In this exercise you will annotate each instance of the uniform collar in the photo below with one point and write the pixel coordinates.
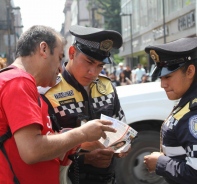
(71, 80)
(189, 96)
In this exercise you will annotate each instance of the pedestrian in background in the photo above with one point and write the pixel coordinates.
(127, 72)
(104, 71)
(119, 70)
(145, 78)
(133, 75)
(122, 79)
(139, 72)
(30, 153)
(81, 94)
(176, 66)
(2, 64)
(113, 80)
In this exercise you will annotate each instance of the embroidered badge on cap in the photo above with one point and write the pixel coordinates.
(101, 87)
(193, 125)
(106, 45)
(154, 56)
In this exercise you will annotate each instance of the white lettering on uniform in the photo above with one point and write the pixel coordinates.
(49, 125)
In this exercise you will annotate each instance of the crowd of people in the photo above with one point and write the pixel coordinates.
(124, 75)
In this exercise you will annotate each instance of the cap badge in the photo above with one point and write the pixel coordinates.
(106, 45)
(101, 87)
(154, 56)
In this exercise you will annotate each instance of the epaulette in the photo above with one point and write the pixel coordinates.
(104, 76)
(193, 104)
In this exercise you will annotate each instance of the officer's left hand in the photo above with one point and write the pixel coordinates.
(100, 158)
(150, 161)
(92, 145)
(122, 154)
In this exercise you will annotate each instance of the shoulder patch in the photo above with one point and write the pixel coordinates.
(193, 104)
(193, 126)
(101, 87)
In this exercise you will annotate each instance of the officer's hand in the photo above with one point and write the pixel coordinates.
(100, 158)
(150, 161)
(92, 145)
(122, 154)
(94, 130)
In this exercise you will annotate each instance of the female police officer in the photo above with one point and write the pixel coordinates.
(176, 65)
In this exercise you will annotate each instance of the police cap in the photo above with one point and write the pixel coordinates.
(96, 43)
(171, 56)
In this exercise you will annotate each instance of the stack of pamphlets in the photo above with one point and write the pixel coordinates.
(121, 140)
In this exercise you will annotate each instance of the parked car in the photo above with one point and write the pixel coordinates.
(146, 106)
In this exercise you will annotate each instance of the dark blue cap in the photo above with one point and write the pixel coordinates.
(171, 56)
(96, 43)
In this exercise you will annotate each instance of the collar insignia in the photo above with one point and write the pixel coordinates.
(101, 87)
(154, 56)
(106, 45)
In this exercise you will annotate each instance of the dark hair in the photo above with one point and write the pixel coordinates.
(185, 67)
(30, 39)
(77, 50)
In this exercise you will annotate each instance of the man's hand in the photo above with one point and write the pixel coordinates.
(100, 158)
(95, 129)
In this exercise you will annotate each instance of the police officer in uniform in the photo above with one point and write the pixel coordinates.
(82, 94)
(176, 66)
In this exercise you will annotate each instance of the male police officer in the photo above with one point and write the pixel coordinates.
(82, 94)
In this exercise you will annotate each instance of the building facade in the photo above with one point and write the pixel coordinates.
(10, 29)
(149, 22)
(79, 12)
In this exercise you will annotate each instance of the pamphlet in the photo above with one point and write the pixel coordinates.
(121, 140)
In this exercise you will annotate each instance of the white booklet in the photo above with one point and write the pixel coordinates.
(121, 140)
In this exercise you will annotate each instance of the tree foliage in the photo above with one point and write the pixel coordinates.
(110, 9)
(118, 59)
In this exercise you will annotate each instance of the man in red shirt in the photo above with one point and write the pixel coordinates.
(33, 149)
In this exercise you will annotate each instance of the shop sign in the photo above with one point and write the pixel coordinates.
(187, 21)
(159, 32)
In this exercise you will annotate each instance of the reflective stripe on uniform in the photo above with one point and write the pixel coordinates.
(173, 151)
(192, 162)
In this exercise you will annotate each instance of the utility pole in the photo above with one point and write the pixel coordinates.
(164, 22)
(9, 8)
(9, 35)
(131, 34)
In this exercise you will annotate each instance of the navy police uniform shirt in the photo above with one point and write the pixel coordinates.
(179, 142)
